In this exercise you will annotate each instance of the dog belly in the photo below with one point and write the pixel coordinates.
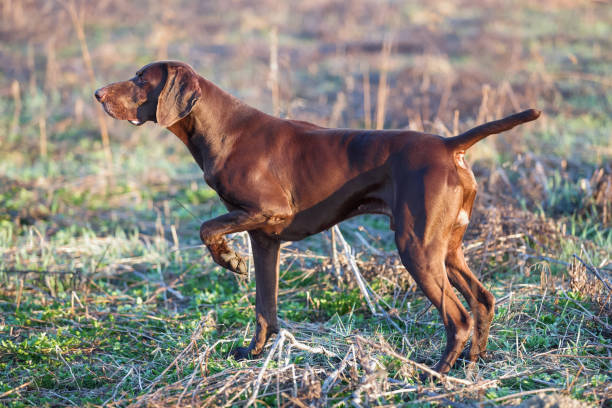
(316, 219)
(305, 224)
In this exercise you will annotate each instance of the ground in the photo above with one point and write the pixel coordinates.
(107, 297)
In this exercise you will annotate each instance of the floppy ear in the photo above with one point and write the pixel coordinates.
(180, 93)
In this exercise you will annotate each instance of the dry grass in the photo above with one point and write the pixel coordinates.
(107, 298)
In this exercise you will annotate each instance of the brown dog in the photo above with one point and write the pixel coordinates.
(285, 180)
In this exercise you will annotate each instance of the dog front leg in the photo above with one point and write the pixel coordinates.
(212, 235)
(266, 259)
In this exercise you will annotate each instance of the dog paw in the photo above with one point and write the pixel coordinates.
(234, 262)
(427, 378)
(244, 353)
(472, 355)
(466, 353)
(241, 353)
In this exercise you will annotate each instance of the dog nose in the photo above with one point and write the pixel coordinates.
(100, 94)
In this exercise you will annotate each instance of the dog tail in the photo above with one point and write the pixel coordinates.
(465, 140)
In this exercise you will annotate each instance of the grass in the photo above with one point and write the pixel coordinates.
(107, 298)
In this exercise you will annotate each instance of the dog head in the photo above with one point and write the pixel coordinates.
(162, 92)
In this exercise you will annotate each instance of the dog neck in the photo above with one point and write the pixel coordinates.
(213, 126)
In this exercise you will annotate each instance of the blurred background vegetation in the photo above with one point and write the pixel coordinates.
(106, 296)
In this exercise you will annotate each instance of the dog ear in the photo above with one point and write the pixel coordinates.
(178, 96)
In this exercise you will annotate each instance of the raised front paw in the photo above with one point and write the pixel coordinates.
(225, 256)
(234, 262)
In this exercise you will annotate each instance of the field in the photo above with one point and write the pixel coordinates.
(108, 298)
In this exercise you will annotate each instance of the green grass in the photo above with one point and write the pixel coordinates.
(107, 297)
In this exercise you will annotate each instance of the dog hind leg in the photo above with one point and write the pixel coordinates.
(481, 301)
(426, 265)
(425, 204)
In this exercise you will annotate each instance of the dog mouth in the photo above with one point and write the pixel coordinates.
(107, 110)
(110, 111)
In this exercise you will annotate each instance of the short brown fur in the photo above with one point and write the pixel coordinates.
(285, 180)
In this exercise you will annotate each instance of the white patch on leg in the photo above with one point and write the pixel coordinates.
(463, 218)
